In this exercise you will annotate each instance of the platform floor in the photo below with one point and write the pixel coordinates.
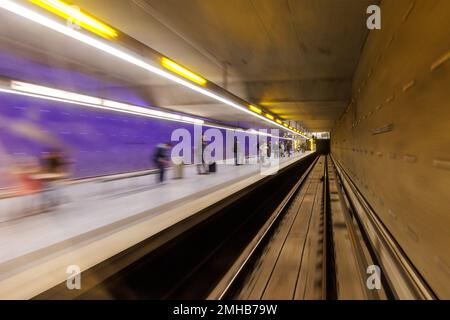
(96, 204)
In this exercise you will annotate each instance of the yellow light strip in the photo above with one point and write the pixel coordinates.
(269, 116)
(278, 121)
(175, 67)
(61, 28)
(255, 109)
(82, 19)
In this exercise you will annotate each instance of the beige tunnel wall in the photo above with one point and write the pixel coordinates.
(394, 137)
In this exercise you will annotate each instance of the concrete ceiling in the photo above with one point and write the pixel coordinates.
(294, 57)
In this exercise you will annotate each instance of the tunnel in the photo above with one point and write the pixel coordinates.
(225, 150)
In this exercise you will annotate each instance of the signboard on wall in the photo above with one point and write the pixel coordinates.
(321, 135)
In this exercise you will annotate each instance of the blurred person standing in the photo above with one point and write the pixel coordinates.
(201, 165)
(289, 148)
(161, 159)
(53, 171)
(198, 159)
(27, 171)
(263, 153)
(269, 149)
(235, 151)
(204, 165)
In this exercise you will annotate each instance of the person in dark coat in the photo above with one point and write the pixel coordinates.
(54, 170)
(235, 151)
(161, 159)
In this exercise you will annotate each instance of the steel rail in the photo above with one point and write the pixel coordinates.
(221, 290)
(403, 278)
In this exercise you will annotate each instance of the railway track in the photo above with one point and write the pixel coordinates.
(187, 260)
(300, 234)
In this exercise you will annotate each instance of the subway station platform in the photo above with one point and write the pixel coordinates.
(97, 95)
(111, 215)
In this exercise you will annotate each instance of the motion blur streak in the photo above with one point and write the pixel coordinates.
(82, 19)
(42, 92)
(42, 20)
(175, 67)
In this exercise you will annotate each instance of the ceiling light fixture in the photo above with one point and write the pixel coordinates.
(182, 71)
(47, 93)
(80, 18)
(36, 91)
(255, 109)
(123, 55)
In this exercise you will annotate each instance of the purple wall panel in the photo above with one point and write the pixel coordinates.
(22, 69)
(99, 142)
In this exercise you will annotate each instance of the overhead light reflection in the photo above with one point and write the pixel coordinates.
(255, 109)
(123, 55)
(182, 71)
(74, 14)
(42, 92)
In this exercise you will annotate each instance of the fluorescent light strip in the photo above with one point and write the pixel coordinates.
(196, 121)
(68, 12)
(267, 134)
(110, 105)
(44, 21)
(45, 97)
(35, 91)
(182, 71)
(31, 88)
(255, 109)
(113, 105)
(250, 131)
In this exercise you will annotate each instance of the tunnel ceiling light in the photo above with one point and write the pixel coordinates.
(182, 71)
(255, 109)
(123, 55)
(82, 19)
(269, 116)
(278, 121)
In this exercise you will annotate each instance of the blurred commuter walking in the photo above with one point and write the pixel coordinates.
(26, 172)
(200, 161)
(303, 147)
(54, 170)
(263, 153)
(161, 159)
(236, 152)
(289, 148)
